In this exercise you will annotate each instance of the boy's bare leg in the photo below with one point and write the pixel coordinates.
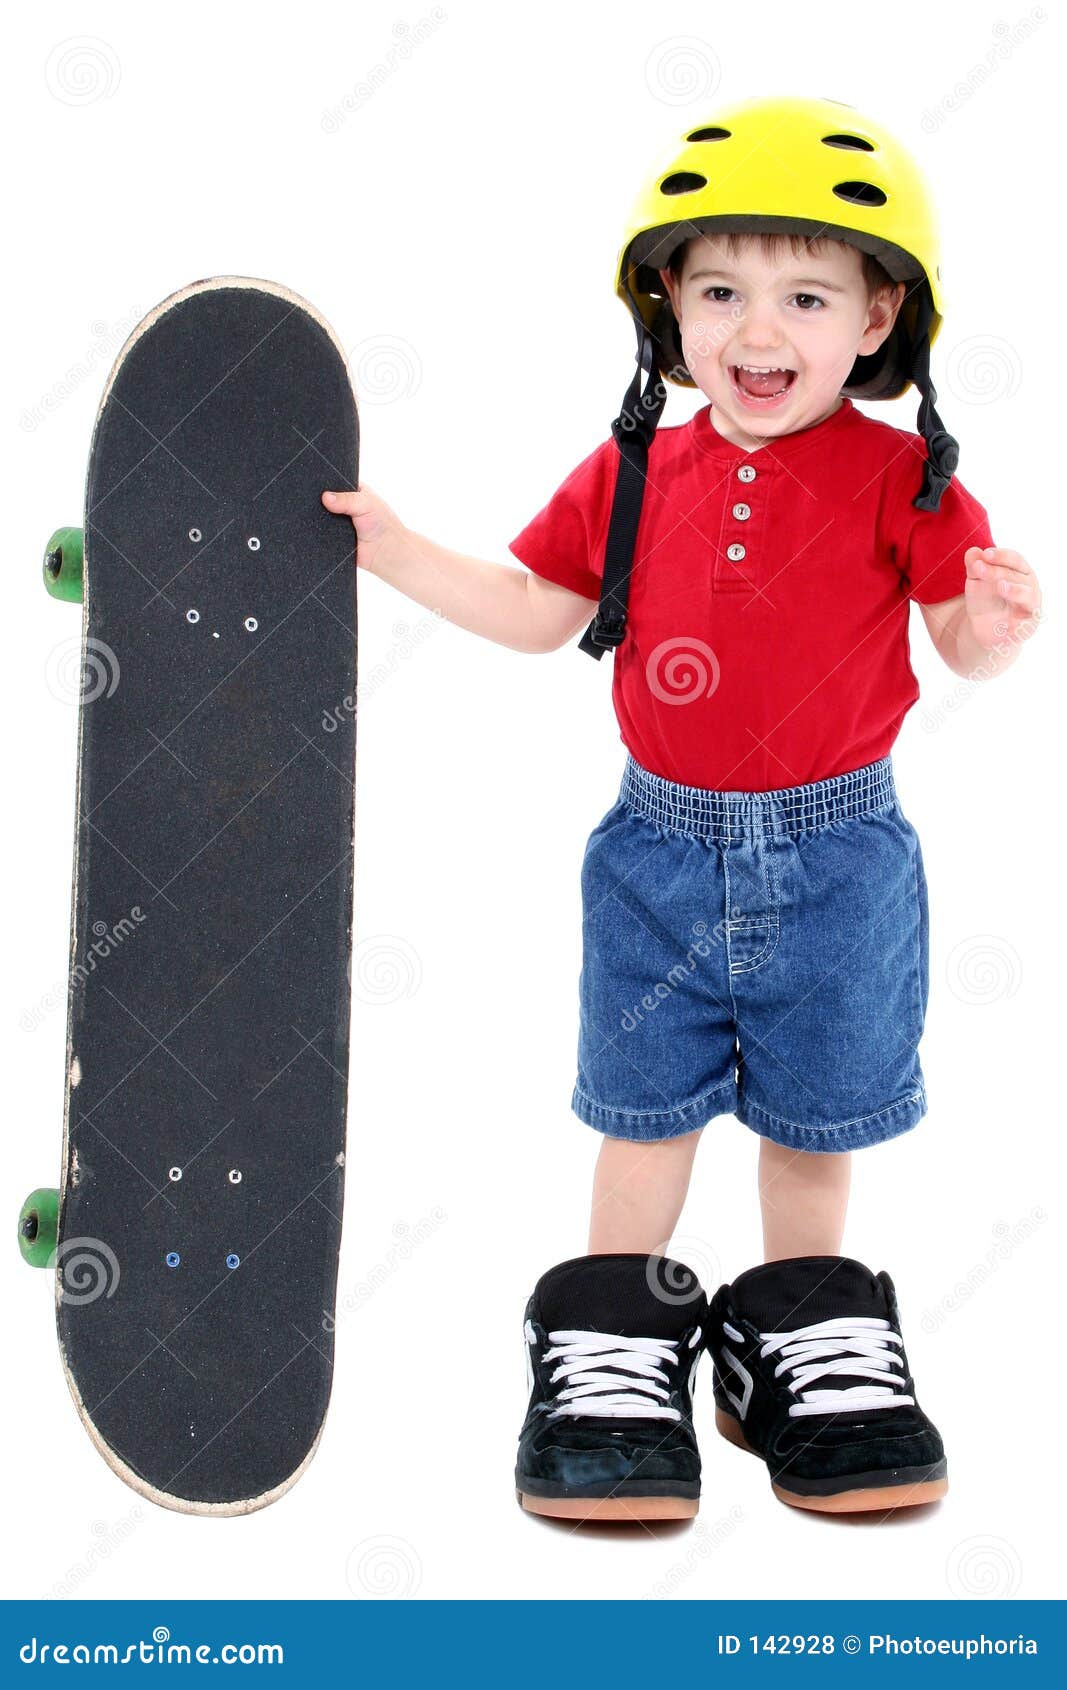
(638, 1192)
(803, 1198)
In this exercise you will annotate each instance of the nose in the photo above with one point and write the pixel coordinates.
(759, 333)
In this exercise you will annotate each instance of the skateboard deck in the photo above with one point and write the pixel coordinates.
(199, 1210)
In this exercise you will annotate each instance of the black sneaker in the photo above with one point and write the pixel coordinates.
(810, 1373)
(612, 1344)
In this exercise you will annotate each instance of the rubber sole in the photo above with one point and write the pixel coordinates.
(865, 1500)
(611, 1507)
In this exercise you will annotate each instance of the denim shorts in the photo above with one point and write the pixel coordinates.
(761, 954)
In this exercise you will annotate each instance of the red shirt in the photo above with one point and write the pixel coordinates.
(767, 641)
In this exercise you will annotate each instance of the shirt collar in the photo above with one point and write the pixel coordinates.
(778, 451)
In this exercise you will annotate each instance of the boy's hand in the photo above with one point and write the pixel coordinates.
(1002, 598)
(376, 525)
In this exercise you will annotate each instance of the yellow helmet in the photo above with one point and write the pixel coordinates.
(813, 167)
(783, 164)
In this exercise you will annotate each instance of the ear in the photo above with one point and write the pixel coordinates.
(672, 290)
(882, 313)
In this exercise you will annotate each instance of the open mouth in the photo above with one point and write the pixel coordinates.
(761, 385)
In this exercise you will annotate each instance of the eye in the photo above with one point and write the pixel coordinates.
(709, 291)
(812, 297)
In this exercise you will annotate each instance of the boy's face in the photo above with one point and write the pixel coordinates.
(808, 317)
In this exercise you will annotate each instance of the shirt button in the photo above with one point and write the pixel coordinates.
(746, 473)
(742, 512)
(735, 553)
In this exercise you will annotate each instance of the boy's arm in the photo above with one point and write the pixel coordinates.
(511, 606)
(985, 628)
(494, 600)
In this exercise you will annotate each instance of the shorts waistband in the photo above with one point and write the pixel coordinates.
(788, 810)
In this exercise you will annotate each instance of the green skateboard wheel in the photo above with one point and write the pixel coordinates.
(38, 1226)
(63, 565)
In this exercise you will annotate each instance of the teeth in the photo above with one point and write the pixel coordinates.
(765, 370)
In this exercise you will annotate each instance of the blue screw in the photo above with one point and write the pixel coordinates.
(233, 1261)
(173, 1258)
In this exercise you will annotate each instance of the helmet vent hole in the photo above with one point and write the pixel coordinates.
(860, 193)
(855, 142)
(682, 182)
(709, 135)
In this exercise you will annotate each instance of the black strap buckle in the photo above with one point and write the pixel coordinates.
(603, 634)
(943, 454)
(608, 631)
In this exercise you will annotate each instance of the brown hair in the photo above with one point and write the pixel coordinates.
(874, 274)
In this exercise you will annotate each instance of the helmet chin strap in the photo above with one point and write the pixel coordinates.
(943, 452)
(632, 430)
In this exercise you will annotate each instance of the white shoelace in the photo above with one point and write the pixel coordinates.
(856, 1346)
(631, 1391)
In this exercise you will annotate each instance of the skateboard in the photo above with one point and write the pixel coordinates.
(194, 1234)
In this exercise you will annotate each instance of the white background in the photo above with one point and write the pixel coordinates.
(456, 214)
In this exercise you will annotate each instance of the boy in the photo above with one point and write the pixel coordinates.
(755, 906)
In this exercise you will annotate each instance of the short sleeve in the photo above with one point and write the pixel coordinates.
(929, 545)
(565, 541)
